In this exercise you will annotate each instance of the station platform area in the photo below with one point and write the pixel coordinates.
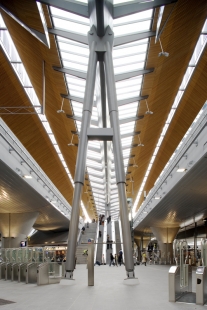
(110, 291)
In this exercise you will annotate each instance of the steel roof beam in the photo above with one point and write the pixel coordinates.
(77, 118)
(133, 37)
(130, 100)
(74, 98)
(80, 9)
(95, 168)
(93, 149)
(94, 159)
(130, 119)
(137, 6)
(79, 74)
(69, 35)
(128, 75)
(126, 135)
(129, 146)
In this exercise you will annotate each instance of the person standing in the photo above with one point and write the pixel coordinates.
(103, 260)
(121, 256)
(144, 259)
(119, 259)
(116, 260)
(111, 259)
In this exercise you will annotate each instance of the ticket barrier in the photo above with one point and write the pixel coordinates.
(2, 270)
(201, 285)
(8, 271)
(49, 273)
(31, 273)
(180, 282)
(14, 272)
(22, 272)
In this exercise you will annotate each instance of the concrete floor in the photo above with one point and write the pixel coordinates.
(110, 291)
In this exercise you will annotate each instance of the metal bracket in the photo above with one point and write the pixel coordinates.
(101, 41)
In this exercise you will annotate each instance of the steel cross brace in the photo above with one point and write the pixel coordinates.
(100, 50)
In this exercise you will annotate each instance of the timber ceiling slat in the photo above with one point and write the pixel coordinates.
(32, 53)
(30, 131)
(179, 39)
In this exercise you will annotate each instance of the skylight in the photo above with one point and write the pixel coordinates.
(201, 43)
(127, 57)
(13, 56)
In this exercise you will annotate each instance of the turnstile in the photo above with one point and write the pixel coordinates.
(8, 271)
(49, 273)
(2, 270)
(180, 282)
(14, 272)
(31, 273)
(22, 272)
(201, 285)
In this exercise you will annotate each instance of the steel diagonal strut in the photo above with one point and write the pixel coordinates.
(100, 49)
(81, 160)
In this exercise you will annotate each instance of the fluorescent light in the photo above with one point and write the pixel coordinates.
(181, 170)
(26, 176)
(157, 197)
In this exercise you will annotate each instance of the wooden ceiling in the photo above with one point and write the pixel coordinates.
(178, 39)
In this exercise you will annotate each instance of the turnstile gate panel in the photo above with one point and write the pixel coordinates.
(2, 270)
(8, 271)
(176, 287)
(31, 273)
(22, 272)
(201, 285)
(14, 272)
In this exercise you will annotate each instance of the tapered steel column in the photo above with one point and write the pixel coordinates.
(81, 160)
(118, 159)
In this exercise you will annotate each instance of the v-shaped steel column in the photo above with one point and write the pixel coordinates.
(100, 50)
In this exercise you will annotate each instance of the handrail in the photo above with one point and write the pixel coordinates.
(10, 138)
(197, 128)
(96, 242)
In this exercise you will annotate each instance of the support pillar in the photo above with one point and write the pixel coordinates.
(81, 160)
(165, 237)
(15, 227)
(100, 48)
(118, 158)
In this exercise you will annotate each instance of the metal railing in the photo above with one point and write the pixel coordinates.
(197, 128)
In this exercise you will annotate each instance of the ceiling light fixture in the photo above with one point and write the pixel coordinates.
(140, 144)
(162, 53)
(26, 176)
(71, 142)
(181, 170)
(61, 109)
(148, 111)
(135, 165)
(157, 197)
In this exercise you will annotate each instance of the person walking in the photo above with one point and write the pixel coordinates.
(111, 259)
